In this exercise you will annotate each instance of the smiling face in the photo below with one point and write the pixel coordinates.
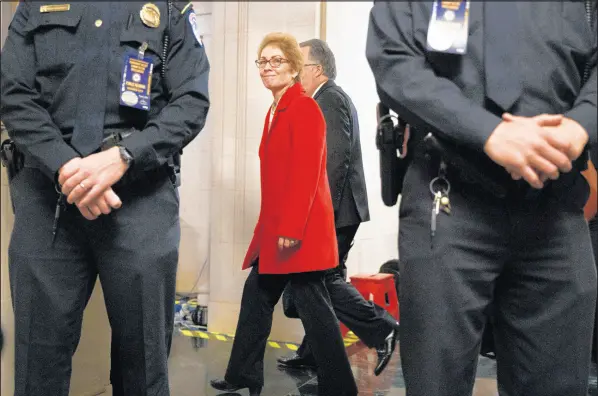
(278, 76)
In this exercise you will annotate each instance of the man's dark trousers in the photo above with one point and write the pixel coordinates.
(531, 259)
(133, 250)
(370, 322)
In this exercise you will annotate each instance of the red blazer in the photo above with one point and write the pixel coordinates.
(296, 201)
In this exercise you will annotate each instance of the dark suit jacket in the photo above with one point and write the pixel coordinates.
(345, 166)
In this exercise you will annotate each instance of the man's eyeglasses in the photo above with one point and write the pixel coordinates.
(274, 62)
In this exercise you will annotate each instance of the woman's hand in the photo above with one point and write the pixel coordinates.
(285, 243)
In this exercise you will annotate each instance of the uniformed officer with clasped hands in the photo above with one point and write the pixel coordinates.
(100, 97)
(491, 213)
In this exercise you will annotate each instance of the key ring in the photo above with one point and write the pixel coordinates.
(440, 179)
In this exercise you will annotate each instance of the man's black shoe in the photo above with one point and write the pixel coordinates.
(297, 362)
(385, 351)
(223, 385)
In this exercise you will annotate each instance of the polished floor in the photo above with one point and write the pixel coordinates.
(198, 357)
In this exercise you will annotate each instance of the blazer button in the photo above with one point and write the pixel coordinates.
(98, 23)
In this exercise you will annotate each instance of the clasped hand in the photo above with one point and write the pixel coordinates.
(87, 182)
(536, 148)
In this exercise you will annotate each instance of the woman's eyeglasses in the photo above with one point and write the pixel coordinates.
(274, 62)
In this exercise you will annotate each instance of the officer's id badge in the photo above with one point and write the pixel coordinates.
(150, 15)
(448, 28)
(193, 23)
(136, 83)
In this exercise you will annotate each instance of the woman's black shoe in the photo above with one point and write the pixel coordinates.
(228, 387)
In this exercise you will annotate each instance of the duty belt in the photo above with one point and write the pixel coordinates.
(173, 164)
(114, 139)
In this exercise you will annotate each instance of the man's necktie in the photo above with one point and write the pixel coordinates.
(501, 52)
(88, 131)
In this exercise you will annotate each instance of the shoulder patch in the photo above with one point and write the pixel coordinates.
(193, 22)
(189, 6)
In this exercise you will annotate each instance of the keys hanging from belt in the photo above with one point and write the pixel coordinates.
(440, 188)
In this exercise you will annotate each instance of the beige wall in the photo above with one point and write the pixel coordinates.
(6, 316)
(237, 130)
(7, 321)
(232, 137)
(376, 240)
(194, 271)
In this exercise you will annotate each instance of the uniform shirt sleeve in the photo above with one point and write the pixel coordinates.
(181, 120)
(27, 121)
(308, 140)
(407, 83)
(584, 108)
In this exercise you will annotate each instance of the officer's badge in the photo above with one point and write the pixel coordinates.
(193, 23)
(150, 15)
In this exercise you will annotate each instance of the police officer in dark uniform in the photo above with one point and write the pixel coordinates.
(500, 85)
(99, 97)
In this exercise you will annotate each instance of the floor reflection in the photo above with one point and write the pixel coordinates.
(195, 360)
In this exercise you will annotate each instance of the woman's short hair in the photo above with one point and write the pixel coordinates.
(289, 47)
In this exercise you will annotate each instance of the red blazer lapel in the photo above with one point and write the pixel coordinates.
(288, 97)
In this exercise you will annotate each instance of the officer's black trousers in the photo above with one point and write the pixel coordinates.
(260, 295)
(531, 258)
(134, 250)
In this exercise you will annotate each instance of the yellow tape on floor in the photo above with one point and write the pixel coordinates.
(349, 340)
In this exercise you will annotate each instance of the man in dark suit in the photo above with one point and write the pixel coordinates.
(498, 85)
(344, 166)
(371, 323)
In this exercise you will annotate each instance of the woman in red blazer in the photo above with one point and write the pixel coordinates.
(294, 240)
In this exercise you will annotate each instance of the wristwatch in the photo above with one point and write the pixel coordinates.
(125, 155)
